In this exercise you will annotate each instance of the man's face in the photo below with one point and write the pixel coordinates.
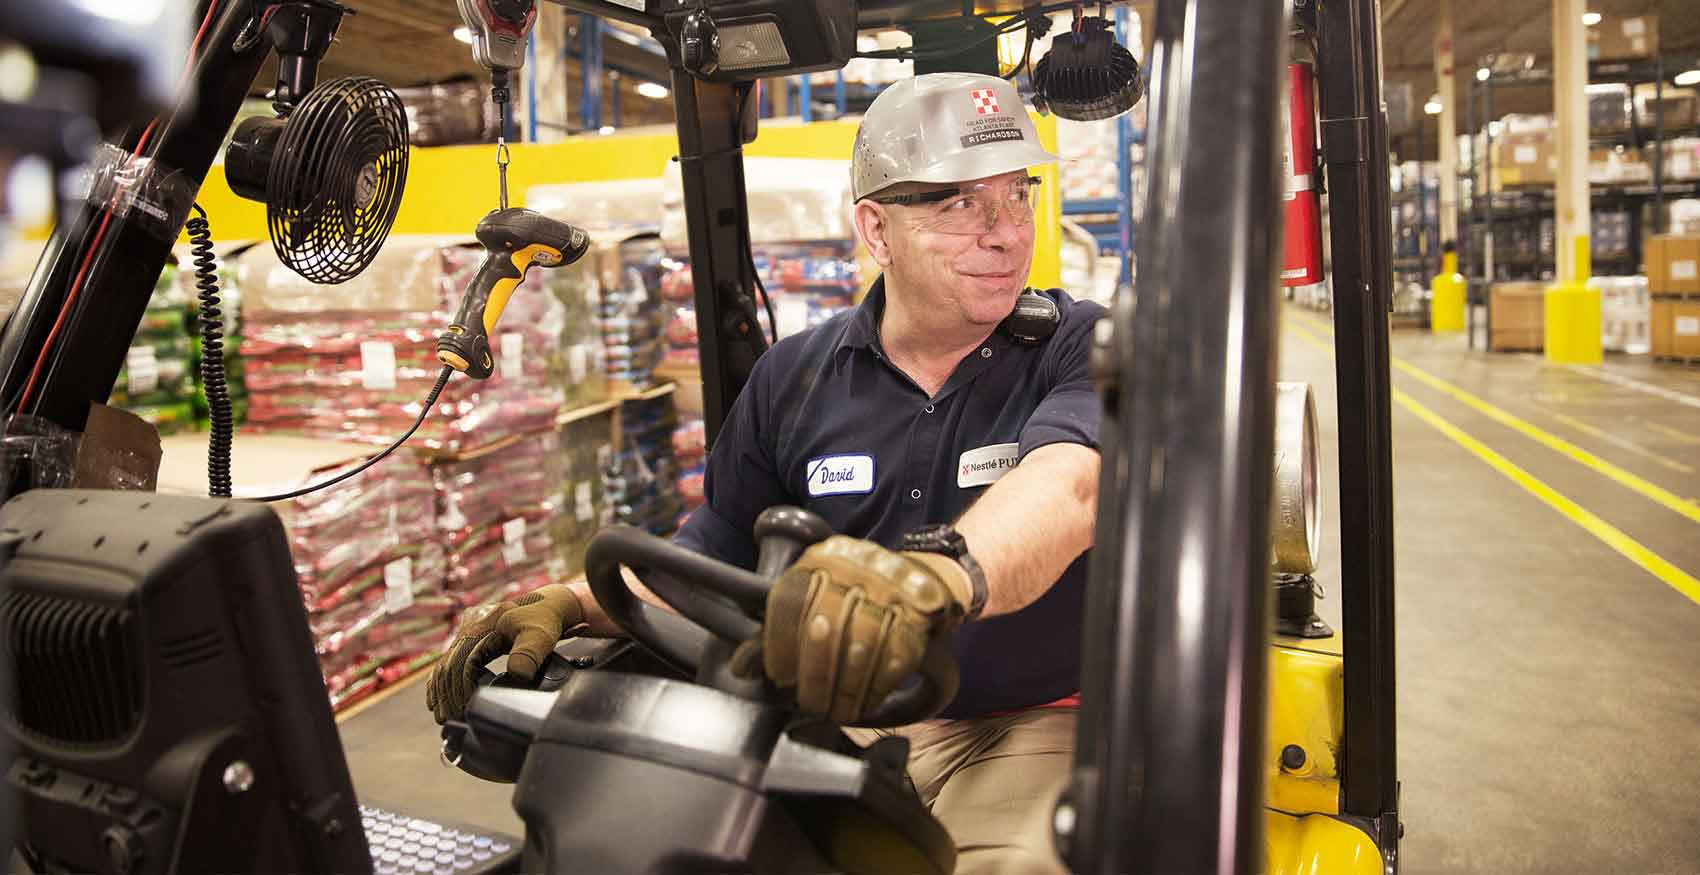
(948, 256)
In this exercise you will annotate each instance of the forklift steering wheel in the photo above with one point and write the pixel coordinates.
(720, 606)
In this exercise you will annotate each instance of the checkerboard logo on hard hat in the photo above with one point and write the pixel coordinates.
(985, 102)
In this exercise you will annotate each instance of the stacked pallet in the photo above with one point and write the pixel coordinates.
(1673, 279)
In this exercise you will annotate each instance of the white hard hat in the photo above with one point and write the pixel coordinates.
(943, 127)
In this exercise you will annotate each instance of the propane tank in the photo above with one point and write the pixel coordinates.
(1302, 264)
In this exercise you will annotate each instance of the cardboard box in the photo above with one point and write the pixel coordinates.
(1682, 158)
(1624, 37)
(1679, 106)
(1517, 311)
(1525, 159)
(1618, 166)
(1676, 328)
(1673, 264)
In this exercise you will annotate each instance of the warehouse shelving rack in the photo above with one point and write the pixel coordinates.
(1118, 234)
(1415, 258)
(1486, 209)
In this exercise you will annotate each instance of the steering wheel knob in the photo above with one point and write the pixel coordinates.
(782, 534)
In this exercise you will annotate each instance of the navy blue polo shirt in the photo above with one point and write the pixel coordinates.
(826, 422)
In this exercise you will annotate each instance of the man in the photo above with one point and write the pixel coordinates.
(913, 423)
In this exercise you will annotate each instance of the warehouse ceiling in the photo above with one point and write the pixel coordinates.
(411, 42)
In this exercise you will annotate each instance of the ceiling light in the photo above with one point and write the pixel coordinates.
(1482, 74)
(464, 34)
(1688, 77)
(28, 188)
(1432, 107)
(17, 73)
(652, 90)
(1590, 18)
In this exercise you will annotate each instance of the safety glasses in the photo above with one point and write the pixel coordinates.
(972, 209)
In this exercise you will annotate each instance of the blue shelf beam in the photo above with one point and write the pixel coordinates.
(590, 67)
(1124, 169)
(531, 92)
(1107, 206)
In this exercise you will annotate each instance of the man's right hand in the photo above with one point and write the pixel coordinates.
(525, 628)
(850, 621)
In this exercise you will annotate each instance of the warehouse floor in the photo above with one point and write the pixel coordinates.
(1548, 542)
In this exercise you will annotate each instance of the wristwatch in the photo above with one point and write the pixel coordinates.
(945, 540)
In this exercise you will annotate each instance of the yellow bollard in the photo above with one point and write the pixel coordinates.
(1573, 316)
(1446, 308)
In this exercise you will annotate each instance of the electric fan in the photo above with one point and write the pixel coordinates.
(330, 172)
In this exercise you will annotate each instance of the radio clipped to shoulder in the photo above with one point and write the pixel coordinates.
(1034, 318)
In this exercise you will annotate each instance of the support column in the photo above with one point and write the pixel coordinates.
(1446, 82)
(546, 102)
(1572, 310)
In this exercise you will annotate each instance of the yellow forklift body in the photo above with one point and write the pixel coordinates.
(1302, 833)
(1316, 844)
(1306, 711)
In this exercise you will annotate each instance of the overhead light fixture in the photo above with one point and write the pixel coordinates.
(652, 90)
(464, 34)
(1590, 18)
(1088, 77)
(755, 39)
(1482, 74)
(1688, 77)
(1433, 106)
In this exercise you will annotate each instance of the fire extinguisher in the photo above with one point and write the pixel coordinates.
(1302, 264)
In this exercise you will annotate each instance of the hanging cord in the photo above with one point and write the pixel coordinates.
(430, 402)
(213, 378)
(766, 299)
(1037, 26)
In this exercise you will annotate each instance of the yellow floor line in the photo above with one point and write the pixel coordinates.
(1647, 489)
(1610, 535)
(1618, 441)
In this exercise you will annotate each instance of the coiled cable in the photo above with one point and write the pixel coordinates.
(213, 378)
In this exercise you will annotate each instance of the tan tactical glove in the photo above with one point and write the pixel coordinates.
(527, 628)
(849, 622)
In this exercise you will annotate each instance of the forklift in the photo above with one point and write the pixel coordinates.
(1206, 743)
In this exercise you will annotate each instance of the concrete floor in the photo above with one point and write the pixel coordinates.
(1549, 710)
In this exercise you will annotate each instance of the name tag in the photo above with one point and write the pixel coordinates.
(841, 475)
(986, 464)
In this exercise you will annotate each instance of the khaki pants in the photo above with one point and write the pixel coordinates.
(993, 782)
